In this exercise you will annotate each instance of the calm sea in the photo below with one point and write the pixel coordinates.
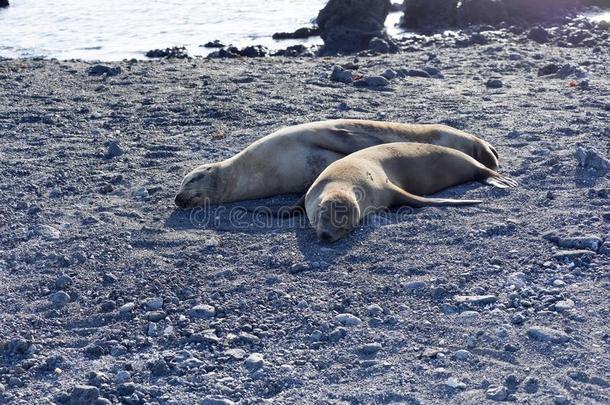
(118, 29)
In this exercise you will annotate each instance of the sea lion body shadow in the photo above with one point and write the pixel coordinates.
(289, 160)
(386, 176)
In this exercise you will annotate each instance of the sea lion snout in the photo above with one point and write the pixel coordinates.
(181, 200)
(335, 217)
(199, 187)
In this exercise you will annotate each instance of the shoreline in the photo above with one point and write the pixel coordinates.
(395, 31)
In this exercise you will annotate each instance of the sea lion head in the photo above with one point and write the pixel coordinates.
(336, 216)
(200, 187)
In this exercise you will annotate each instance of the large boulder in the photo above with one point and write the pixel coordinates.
(429, 13)
(461, 13)
(526, 12)
(348, 26)
(471, 12)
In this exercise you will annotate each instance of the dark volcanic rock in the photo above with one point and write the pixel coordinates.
(254, 51)
(348, 26)
(443, 13)
(301, 33)
(231, 52)
(294, 50)
(83, 394)
(549, 69)
(175, 52)
(4, 3)
(471, 12)
(214, 44)
(394, 7)
(99, 70)
(429, 13)
(539, 35)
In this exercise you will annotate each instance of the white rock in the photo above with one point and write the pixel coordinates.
(348, 320)
(237, 354)
(564, 305)
(544, 334)
(254, 362)
(453, 382)
(203, 311)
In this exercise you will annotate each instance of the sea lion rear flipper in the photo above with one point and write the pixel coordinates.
(500, 181)
(405, 198)
(494, 151)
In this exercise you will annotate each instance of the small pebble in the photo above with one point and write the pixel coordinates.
(128, 307)
(564, 305)
(123, 376)
(494, 84)
(454, 383)
(154, 304)
(113, 150)
(389, 74)
(156, 316)
(370, 348)
(254, 362)
(203, 311)
(374, 310)
(497, 393)
(475, 299)
(463, 355)
(64, 281)
(216, 401)
(60, 298)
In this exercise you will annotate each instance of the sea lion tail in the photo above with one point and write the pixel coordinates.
(406, 198)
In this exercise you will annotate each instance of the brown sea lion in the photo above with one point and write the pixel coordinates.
(289, 160)
(389, 175)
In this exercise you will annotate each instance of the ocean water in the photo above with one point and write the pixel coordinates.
(117, 29)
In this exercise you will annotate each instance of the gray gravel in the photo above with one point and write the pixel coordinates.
(110, 292)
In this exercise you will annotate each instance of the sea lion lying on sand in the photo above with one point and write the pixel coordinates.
(389, 175)
(289, 160)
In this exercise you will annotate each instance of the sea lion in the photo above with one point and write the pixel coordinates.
(389, 175)
(289, 160)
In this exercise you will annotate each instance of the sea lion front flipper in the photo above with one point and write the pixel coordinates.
(403, 197)
(298, 208)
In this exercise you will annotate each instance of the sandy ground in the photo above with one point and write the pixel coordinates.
(106, 286)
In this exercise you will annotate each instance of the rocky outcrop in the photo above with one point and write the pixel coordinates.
(301, 33)
(4, 3)
(348, 26)
(461, 13)
(177, 52)
(470, 12)
(429, 13)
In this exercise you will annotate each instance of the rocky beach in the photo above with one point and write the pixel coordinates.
(110, 294)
